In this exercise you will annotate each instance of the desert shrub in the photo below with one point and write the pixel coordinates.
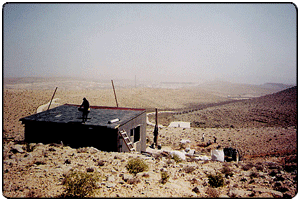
(212, 192)
(34, 194)
(133, 181)
(136, 165)
(176, 158)
(226, 171)
(189, 169)
(164, 177)
(79, 184)
(215, 180)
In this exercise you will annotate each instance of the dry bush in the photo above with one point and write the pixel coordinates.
(164, 177)
(215, 180)
(212, 192)
(226, 171)
(34, 194)
(79, 184)
(136, 165)
(133, 181)
(176, 158)
(189, 169)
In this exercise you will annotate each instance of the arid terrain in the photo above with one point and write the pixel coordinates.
(260, 121)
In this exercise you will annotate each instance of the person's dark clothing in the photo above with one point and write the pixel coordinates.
(86, 105)
(155, 133)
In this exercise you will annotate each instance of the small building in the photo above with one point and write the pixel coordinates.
(180, 124)
(101, 130)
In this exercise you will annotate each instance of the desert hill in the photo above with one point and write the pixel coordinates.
(278, 109)
(239, 90)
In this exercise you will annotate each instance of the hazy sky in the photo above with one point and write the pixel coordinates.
(247, 43)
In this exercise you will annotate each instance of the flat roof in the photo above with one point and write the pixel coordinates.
(98, 115)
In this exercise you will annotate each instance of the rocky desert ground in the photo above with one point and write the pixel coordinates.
(260, 121)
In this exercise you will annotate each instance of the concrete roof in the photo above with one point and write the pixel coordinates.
(99, 115)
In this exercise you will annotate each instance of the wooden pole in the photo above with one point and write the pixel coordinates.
(156, 117)
(52, 98)
(112, 82)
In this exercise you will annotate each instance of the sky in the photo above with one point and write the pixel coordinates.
(242, 43)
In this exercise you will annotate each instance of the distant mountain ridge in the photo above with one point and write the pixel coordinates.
(280, 86)
(240, 90)
(277, 109)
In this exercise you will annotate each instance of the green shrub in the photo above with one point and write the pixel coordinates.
(136, 165)
(79, 184)
(164, 177)
(177, 158)
(215, 180)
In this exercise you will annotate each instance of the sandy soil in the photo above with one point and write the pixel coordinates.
(40, 171)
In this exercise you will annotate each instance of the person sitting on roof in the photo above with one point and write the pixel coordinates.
(85, 110)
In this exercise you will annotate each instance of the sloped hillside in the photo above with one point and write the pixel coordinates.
(278, 109)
